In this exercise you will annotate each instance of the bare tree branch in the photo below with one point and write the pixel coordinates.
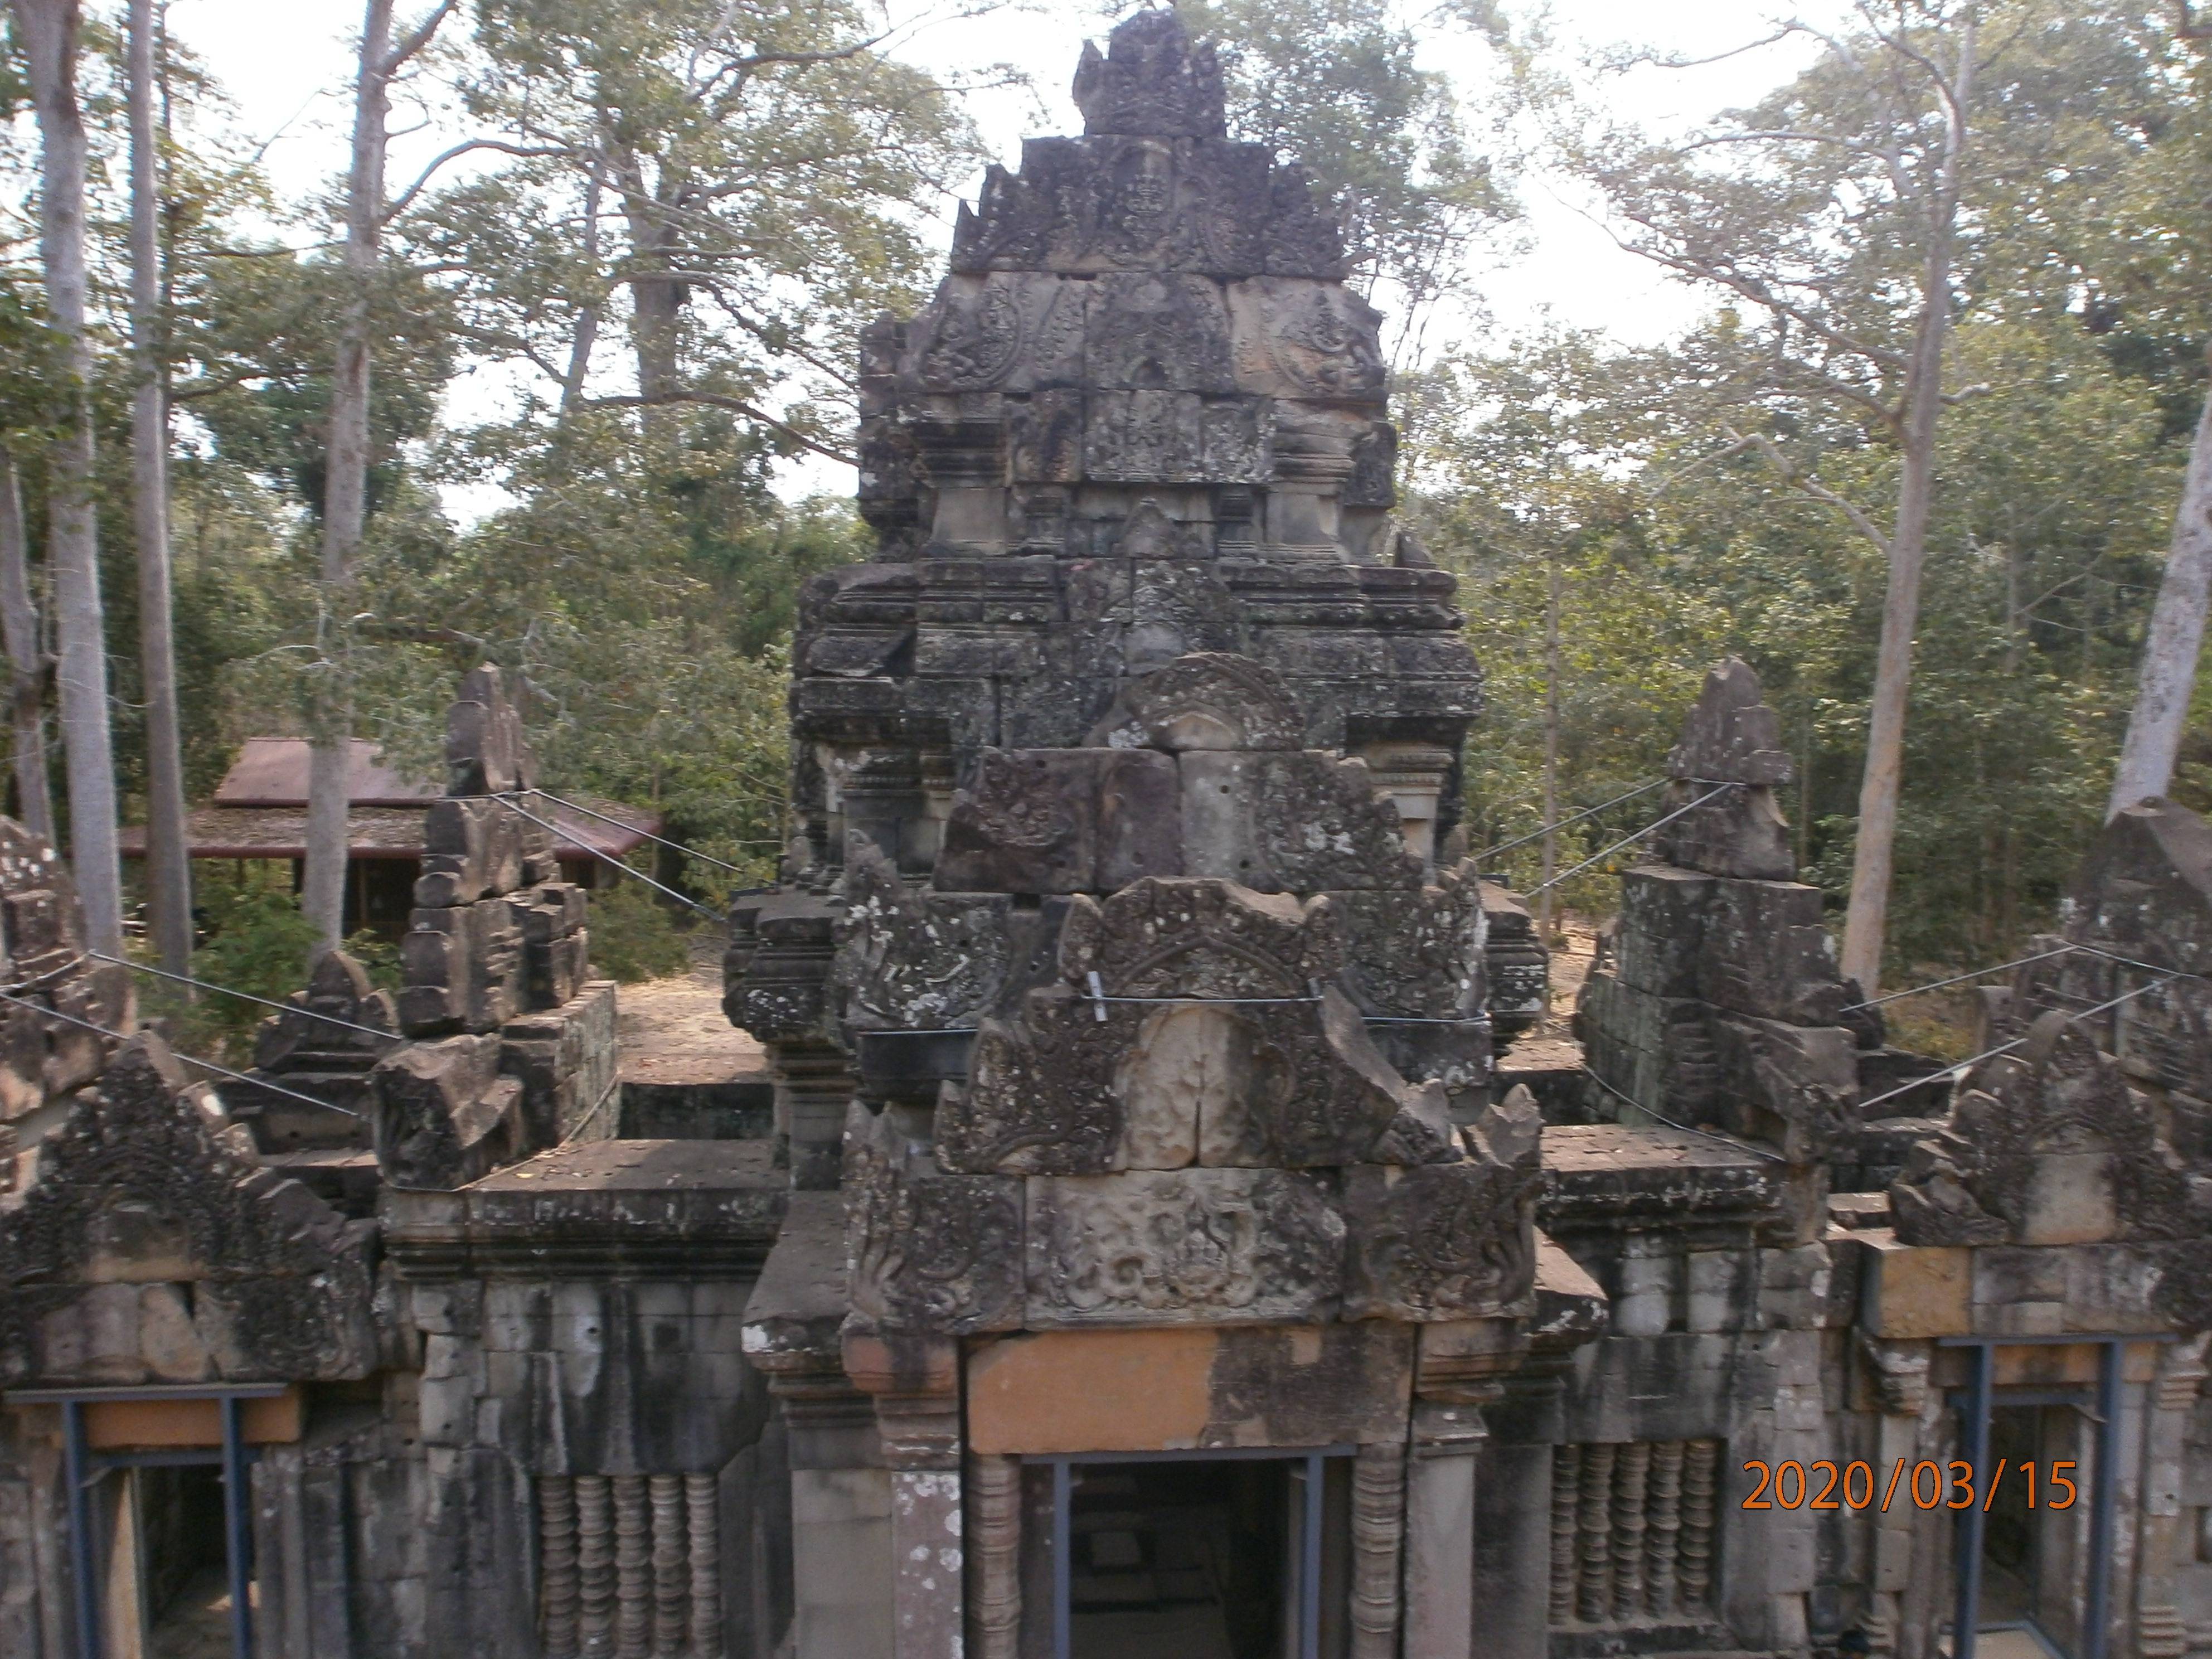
(1811, 488)
(400, 204)
(714, 400)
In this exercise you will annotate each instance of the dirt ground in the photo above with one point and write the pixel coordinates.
(1551, 1043)
(673, 1030)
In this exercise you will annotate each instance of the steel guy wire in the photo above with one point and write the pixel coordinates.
(189, 1060)
(610, 859)
(658, 841)
(1957, 1070)
(1960, 979)
(1705, 1134)
(1523, 840)
(1658, 824)
(244, 996)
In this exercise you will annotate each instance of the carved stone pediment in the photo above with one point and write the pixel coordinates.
(1294, 1083)
(1151, 79)
(1206, 699)
(1440, 1242)
(1732, 736)
(486, 753)
(1189, 938)
(2046, 1146)
(152, 1247)
(1297, 337)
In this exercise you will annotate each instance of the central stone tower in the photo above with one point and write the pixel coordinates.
(1120, 976)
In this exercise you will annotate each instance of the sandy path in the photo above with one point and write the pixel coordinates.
(673, 1030)
(1551, 1043)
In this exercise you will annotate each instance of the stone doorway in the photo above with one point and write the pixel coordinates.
(186, 1594)
(2031, 1555)
(1194, 1557)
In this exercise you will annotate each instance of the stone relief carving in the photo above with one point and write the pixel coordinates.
(1238, 1245)
(1151, 79)
(1297, 337)
(1442, 1241)
(1183, 937)
(1206, 699)
(148, 1187)
(2046, 1146)
(913, 959)
(929, 1251)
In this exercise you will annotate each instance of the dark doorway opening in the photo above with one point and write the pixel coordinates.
(2031, 1553)
(187, 1581)
(1178, 1561)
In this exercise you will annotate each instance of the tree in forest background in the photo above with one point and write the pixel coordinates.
(2067, 371)
(1424, 200)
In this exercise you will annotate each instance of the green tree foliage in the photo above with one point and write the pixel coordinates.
(1334, 84)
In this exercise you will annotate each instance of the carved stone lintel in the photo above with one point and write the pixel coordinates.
(1238, 1246)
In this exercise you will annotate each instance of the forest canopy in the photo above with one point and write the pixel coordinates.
(664, 222)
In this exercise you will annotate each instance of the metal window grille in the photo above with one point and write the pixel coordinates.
(84, 1469)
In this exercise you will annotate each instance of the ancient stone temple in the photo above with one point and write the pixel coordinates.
(1158, 1249)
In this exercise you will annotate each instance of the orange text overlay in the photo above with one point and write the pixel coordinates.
(1926, 1484)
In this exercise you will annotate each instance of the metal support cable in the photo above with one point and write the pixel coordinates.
(1960, 979)
(1714, 794)
(610, 858)
(245, 996)
(1957, 1071)
(658, 841)
(1523, 840)
(189, 1060)
(1730, 1141)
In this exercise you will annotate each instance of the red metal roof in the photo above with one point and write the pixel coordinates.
(389, 832)
(273, 772)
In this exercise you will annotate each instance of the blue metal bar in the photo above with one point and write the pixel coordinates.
(2063, 1339)
(2103, 1495)
(1063, 1525)
(1310, 1579)
(237, 1518)
(84, 1550)
(155, 1391)
(1211, 1455)
(1967, 1618)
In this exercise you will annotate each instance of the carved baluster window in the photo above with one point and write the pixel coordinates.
(1632, 1531)
(629, 1567)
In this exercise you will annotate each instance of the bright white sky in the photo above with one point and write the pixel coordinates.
(286, 63)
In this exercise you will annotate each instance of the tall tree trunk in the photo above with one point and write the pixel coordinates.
(1874, 859)
(586, 335)
(2177, 630)
(27, 660)
(656, 299)
(168, 856)
(50, 39)
(345, 485)
(1551, 745)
